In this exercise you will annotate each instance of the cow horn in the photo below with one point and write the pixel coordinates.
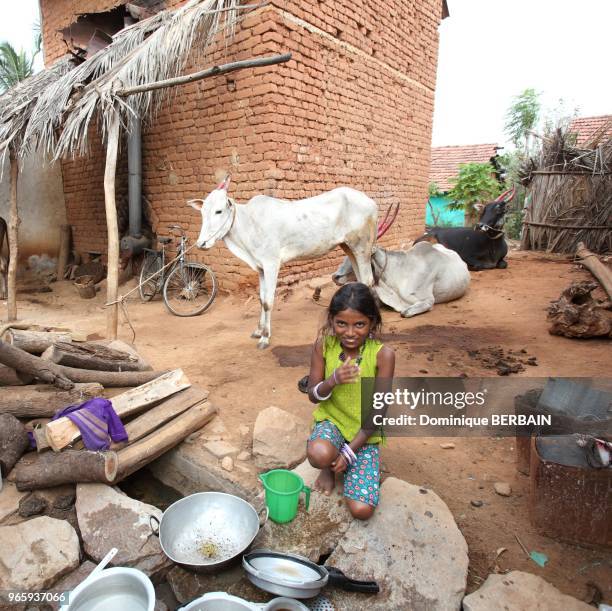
(504, 196)
(386, 223)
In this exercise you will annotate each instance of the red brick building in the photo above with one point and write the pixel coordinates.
(353, 107)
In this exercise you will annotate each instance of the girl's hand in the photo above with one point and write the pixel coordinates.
(347, 373)
(339, 465)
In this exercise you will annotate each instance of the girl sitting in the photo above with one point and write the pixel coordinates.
(344, 352)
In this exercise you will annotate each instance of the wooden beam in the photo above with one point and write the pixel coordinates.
(214, 71)
(112, 227)
(591, 261)
(13, 240)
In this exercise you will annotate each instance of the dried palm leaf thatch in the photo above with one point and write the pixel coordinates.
(17, 104)
(186, 35)
(154, 49)
(570, 194)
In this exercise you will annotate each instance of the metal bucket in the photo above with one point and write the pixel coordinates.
(205, 532)
(116, 588)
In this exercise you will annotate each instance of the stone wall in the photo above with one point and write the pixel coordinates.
(353, 107)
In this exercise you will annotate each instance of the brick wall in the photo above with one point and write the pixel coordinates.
(353, 107)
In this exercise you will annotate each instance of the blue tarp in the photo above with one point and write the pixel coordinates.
(445, 217)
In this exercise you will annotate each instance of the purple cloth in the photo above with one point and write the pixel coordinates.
(97, 421)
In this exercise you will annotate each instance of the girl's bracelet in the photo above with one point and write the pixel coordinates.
(317, 396)
(335, 378)
(348, 454)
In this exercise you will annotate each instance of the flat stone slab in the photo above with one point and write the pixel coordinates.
(190, 468)
(518, 591)
(36, 553)
(221, 449)
(411, 546)
(108, 518)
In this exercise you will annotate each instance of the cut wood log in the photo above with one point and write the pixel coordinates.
(14, 441)
(11, 377)
(64, 377)
(165, 411)
(91, 356)
(601, 271)
(62, 432)
(152, 446)
(73, 466)
(35, 342)
(42, 400)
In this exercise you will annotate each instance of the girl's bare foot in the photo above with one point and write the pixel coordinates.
(325, 482)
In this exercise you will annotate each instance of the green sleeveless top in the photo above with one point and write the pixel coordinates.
(343, 408)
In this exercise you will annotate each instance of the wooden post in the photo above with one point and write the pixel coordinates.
(112, 227)
(13, 233)
(64, 251)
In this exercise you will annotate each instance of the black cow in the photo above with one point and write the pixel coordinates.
(482, 247)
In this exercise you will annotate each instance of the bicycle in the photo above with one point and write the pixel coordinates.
(188, 288)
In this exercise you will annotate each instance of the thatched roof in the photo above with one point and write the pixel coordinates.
(154, 49)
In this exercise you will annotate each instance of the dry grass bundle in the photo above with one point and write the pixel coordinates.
(570, 191)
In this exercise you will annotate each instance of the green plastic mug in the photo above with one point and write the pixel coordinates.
(283, 490)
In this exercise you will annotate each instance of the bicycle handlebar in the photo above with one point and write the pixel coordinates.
(177, 227)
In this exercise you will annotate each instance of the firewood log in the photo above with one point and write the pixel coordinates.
(14, 441)
(35, 342)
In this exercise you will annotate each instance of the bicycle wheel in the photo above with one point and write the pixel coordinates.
(189, 289)
(150, 284)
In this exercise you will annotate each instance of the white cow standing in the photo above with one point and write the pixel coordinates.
(411, 281)
(267, 232)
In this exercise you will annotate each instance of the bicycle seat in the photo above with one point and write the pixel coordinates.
(164, 240)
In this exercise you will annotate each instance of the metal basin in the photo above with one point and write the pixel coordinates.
(206, 531)
(114, 589)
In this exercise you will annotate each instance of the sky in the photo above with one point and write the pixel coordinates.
(490, 51)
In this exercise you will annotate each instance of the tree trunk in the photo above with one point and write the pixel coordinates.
(162, 413)
(64, 377)
(14, 441)
(149, 448)
(11, 377)
(3, 261)
(35, 342)
(13, 236)
(64, 251)
(62, 432)
(596, 267)
(112, 277)
(73, 466)
(42, 400)
(93, 356)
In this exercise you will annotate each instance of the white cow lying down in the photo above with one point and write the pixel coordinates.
(411, 281)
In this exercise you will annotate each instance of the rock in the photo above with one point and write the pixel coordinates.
(10, 498)
(187, 586)
(108, 518)
(227, 463)
(476, 503)
(312, 533)
(447, 446)
(279, 439)
(419, 560)
(244, 430)
(517, 591)
(32, 505)
(190, 468)
(502, 488)
(36, 553)
(221, 449)
(244, 455)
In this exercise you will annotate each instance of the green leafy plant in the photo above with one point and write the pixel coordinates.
(14, 66)
(433, 190)
(522, 117)
(475, 184)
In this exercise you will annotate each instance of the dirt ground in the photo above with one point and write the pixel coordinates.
(504, 309)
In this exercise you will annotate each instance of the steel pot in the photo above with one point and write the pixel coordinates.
(116, 588)
(221, 601)
(205, 532)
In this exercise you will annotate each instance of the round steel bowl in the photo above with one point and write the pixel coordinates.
(206, 531)
(116, 588)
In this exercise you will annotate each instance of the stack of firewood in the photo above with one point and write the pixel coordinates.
(161, 411)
